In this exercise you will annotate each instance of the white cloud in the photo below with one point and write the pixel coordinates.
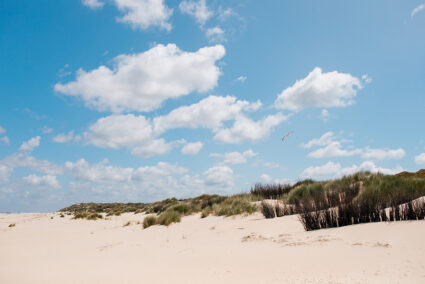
(215, 34)
(320, 171)
(336, 170)
(143, 14)
(2, 130)
(65, 138)
(420, 159)
(265, 178)
(192, 148)
(93, 4)
(383, 154)
(46, 130)
(241, 79)
(47, 181)
(30, 144)
(4, 173)
(22, 159)
(5, 140)
(366, 79)
(126, 131)
(224, 14)
(325, 139)
(143, 81)
(324, 115)
(207, 113)
(219, 175)
(245, 129)
(197, 9)
(272, 165)
(234, 158)
(101, 172)
(331, 89)
(334, 149)
(417, 9)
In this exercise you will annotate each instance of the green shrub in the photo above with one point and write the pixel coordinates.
(150, 221)
(168, 217)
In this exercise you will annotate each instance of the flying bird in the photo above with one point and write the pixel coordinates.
(287, 135)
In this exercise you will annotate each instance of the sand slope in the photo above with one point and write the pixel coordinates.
(211, 250)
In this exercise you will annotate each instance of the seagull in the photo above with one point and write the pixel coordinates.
(287, 135)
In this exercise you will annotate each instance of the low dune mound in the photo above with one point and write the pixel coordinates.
(418, 174)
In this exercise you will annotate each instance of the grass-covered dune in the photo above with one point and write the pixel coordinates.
(359, 198)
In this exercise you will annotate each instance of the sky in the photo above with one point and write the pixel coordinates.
(142, 100)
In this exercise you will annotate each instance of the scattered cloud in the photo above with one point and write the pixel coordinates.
(241, 79)
(383, 154)
(30, 144)
(5, 140)
(210, 113)
(47, 181)
(93, 4)
(67, 137)
(420, 159)
(318, 89)
(143, 81)
(143, 14)
(219, 175)
(245, 129)
(225, 13)
(215, 34)
(197, 9)
(334, 148)
(235, 158)
(325, 139)
(2, 130)
(324, 115)
(265, 178)
(126, 131)
(417, 10)
(192, 148)
(5, 173)
(336, 170)
(366, 79)
(272, 165)
(46, 130)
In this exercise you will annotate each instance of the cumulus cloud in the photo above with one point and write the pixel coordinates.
(197, 9)
(336, 170)
(234, 158)
(93, 4)
(210, 113)
(334, 148)
(219, 175)
(318, 89)
(143, 14)
(192, 148)
(47, 181)
(215, 34)
(265, 178)
(383, 154)
(325, 139)
(126, 131)
(143, 81)
(245, 129)
(66, 137)
(30, 144)
(420, 159)
(417, 10)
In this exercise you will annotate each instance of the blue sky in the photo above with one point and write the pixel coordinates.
(140, 100)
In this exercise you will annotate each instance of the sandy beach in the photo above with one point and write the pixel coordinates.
(238, 249)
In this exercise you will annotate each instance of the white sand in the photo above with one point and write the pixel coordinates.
(211, 250)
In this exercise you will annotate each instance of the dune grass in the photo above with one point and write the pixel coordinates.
(150, 221)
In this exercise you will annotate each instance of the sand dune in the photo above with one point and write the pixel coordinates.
(211, 250)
